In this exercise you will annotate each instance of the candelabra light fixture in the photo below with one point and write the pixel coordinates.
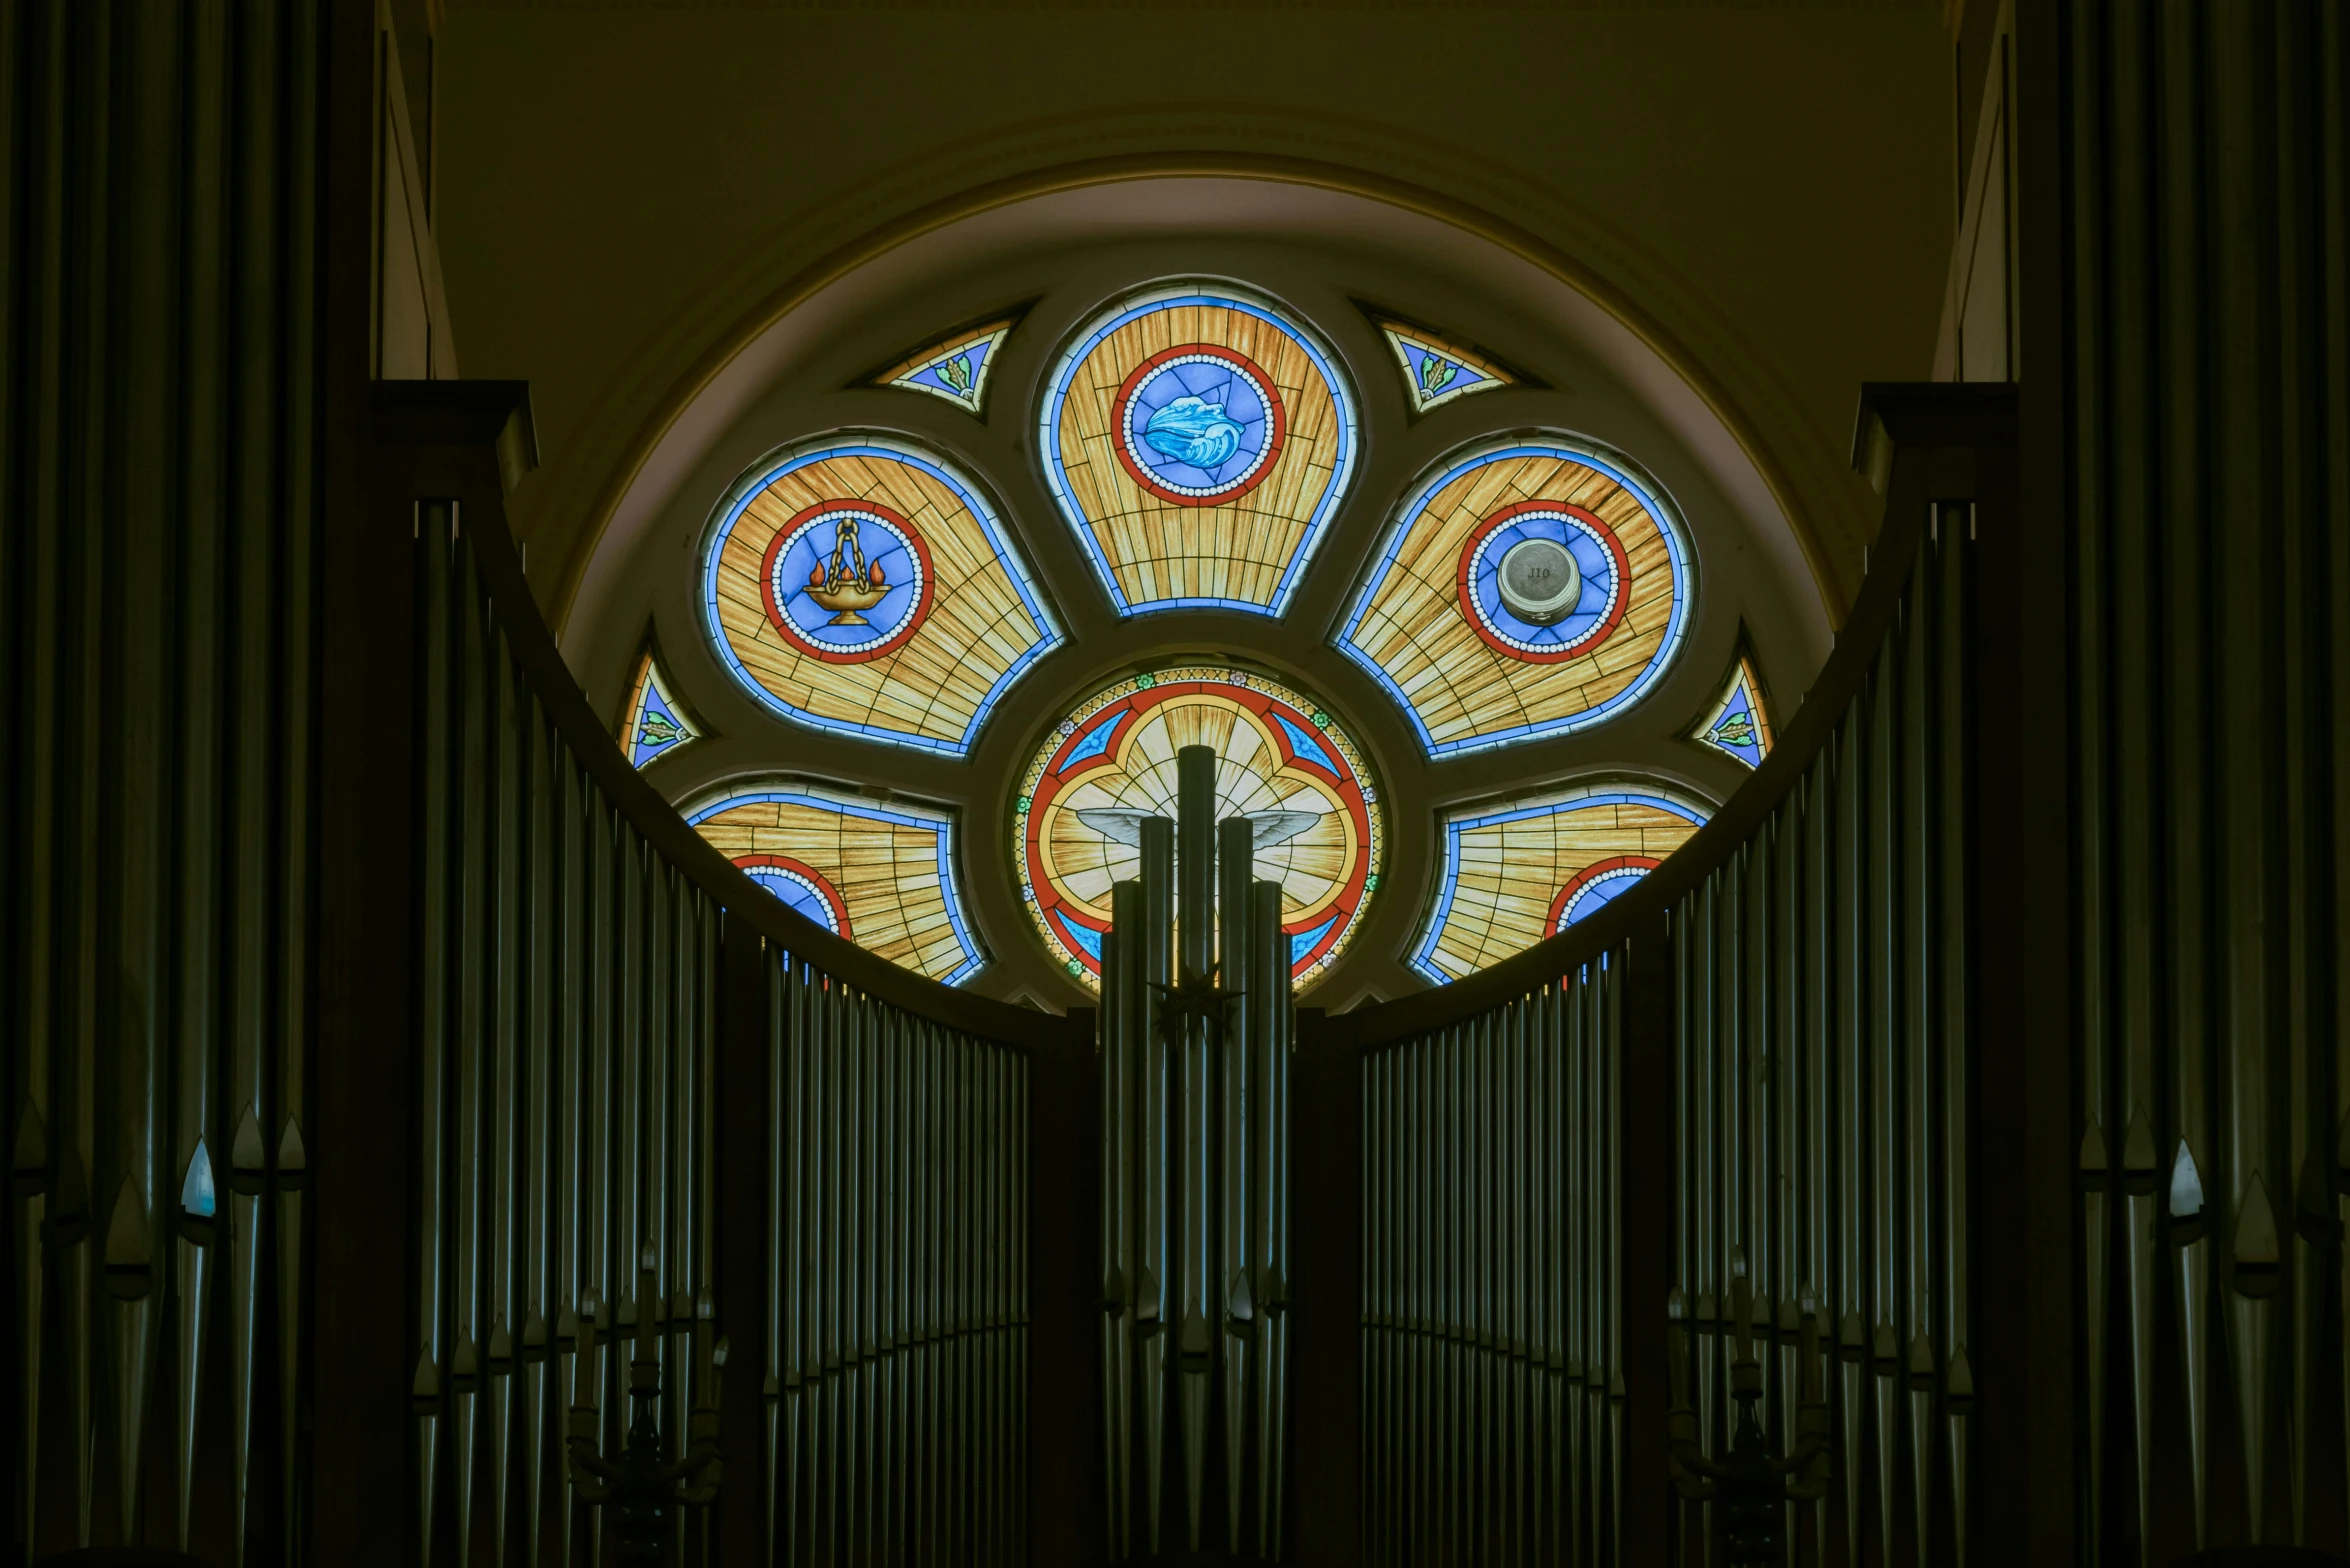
(642, 1488)
(1752, 1486)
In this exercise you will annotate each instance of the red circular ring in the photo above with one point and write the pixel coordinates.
(1590, 874)
(797, 638)
(1277, 424)
(840, 910)
(1590, 639)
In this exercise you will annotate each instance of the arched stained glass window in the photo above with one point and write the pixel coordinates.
(1517, 871)
(1529, 587)
(1282, 760)
(1197, 439)
(862, 586)
(878, 873)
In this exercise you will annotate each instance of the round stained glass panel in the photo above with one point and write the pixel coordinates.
(1114, 758)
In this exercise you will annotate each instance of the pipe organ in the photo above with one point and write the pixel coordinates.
(1492, 1348)
(1823, 1084)
(1195, 1222)
(573, 984)
(897, 1332)
(569, 976)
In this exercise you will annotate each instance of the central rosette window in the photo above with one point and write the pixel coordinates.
(1282, 762)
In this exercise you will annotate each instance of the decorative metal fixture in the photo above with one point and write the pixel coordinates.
(1754, 1487)
(642, 1488)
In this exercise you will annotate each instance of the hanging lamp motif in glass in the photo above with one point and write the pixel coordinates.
(1197, 439)
(863, 586)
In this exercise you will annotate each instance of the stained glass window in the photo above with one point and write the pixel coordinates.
(860, 585)
(1435, 370)
(656, 723)
(955, 367)
(1529, 587)
(877, 873)
(1282, 761)
(1737, 724)
(1197, 440)
(1519, 870)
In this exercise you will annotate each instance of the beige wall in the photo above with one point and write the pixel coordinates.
(624, 191)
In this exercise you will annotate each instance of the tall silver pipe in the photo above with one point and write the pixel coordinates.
(1884, 981)
(1156, 961)
(1240, 1106)
(1195, 920)
(1279, 1042)
(1920, 724)
(1122, 1194)
(1956, 731)
(1852, 1180)
(508, 912)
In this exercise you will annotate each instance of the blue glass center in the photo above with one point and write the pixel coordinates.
(810, 553)
(1198, 425)
(796, 894)
(1592, 558)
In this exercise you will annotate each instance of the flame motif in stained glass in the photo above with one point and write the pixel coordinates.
(1435, 369)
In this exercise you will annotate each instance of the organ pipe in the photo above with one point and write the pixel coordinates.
(1195, 1039)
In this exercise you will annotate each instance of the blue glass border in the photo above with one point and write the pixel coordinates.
(943, 824)
(1449, 875)
(1048, 436)
(1591, 455)
(790, 459)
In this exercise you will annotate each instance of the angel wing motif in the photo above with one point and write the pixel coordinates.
(1122, 826)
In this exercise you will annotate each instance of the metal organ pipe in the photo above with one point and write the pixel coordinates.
(1195, 1033)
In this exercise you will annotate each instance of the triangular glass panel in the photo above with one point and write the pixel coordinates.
(657, 722)
(1436, 370)
(1737, 725)
(955, 367)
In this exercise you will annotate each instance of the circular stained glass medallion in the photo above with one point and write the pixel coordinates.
(847, 580)
(1277, 749)
(1200, 423)
(1543, 580)
(802, 888)
(1596, 886)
